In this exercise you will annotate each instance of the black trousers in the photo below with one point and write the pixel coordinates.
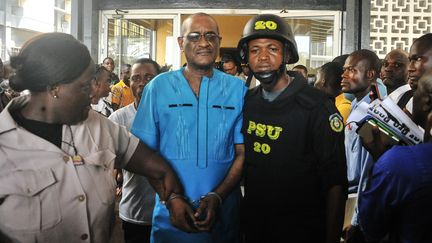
(136, 233)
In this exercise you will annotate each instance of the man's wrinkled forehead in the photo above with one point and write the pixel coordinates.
(194, 23)
(356, 61)
(144, 67)
(266, 40)
(396, 57)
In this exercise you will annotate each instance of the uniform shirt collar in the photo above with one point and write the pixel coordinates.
(6, 120)
(355, 102)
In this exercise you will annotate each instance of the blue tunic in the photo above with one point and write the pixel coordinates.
(399, 198)
(196, 136)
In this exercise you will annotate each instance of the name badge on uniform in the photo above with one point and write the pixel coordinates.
(336, 122)
(77, 160)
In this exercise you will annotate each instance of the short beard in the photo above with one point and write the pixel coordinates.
(203, 67)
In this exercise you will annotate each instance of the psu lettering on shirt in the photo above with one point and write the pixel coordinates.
(262, 130)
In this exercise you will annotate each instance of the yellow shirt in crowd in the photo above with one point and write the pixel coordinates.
(121, 94)
(344, 106)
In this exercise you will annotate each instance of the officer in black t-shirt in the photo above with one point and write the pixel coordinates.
(295, 175)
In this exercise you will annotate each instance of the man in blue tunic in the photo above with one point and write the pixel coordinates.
(398, 199)
(193, 117)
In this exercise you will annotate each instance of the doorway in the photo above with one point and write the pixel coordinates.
(317, 33)
(126, 38)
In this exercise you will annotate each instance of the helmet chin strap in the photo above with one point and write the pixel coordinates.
(270, 77)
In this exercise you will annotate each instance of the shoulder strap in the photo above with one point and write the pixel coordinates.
(405, 98)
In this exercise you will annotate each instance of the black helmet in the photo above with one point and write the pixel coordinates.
(268, 26)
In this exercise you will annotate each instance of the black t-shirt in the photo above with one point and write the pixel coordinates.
(47, 131)
(294, 154)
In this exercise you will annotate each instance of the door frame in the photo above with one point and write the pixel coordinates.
(176, 14)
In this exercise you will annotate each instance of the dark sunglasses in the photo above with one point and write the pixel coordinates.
(209, 36)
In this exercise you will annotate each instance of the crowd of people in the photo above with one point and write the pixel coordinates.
(178, 146)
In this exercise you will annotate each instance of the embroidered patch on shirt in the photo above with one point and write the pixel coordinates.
(336, 122)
